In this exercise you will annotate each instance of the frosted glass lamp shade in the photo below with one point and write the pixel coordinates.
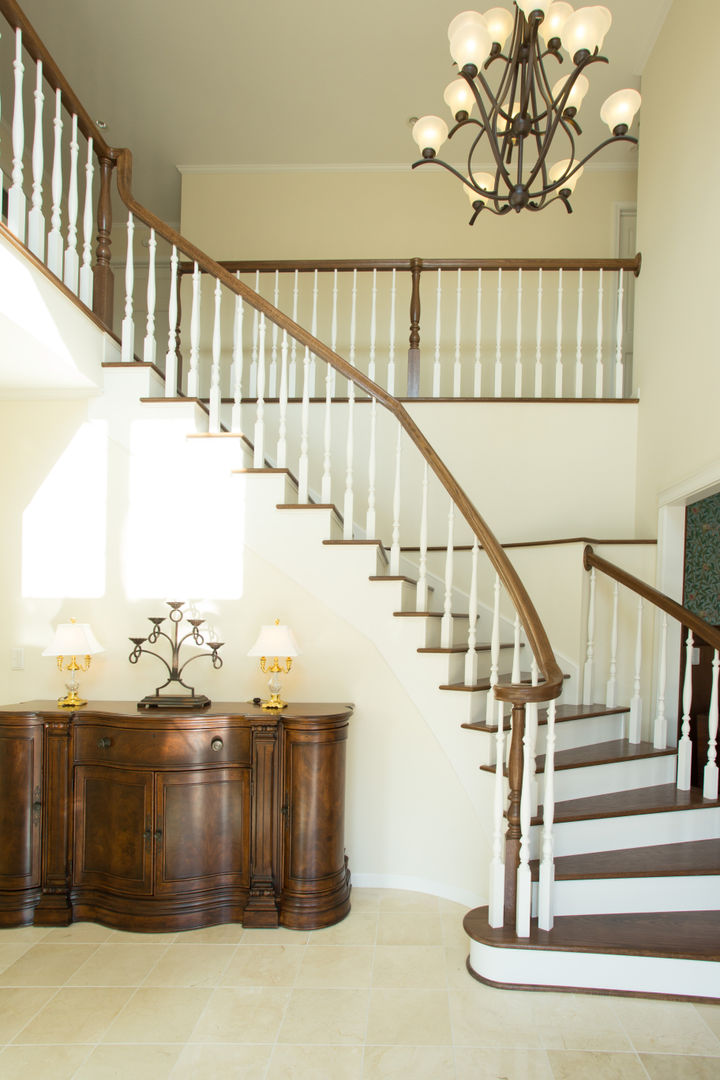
(499, 22)
(620, 108)
(576, 95)
(463, 18)
(485, 181)
(275, 641)
(586, 29)
(559, 169)
(471, 43)
(430, 132)
(73, 639)
(458, 97)
(555, 18)
(528, 6)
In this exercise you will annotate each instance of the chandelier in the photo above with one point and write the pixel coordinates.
(528, 113)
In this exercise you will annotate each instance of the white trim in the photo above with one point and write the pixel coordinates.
(420, 885)
(362, 167)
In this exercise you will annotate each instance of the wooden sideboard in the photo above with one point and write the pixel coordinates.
(169, 820)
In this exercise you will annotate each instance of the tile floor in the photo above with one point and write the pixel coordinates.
(383, 994)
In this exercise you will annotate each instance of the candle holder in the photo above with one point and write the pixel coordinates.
(179, 700)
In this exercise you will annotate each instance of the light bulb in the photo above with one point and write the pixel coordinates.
(586, 29)
(528, 6)
(559, 169)
(458, 97)
(555, 18)
(485, 181)
(576, 95)
(499, 22)
(620, 108)
(429, 132)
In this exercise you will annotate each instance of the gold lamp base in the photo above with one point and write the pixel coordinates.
(71, 701)
(274, 702)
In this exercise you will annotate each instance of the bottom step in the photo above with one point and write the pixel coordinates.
(669, 954)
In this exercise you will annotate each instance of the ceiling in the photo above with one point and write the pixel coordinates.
(242, 83)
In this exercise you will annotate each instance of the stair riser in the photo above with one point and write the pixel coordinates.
(632, 830)
(312, 526)
(610, 896)
(614, 776)
(583, 732)
(433, 632)
(399, 595)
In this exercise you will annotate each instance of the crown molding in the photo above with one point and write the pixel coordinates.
(402, 167)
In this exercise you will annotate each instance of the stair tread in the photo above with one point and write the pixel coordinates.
(428, 615)
(689, 858)
(484, 684)
(686, 935)
(311, 506)
(647, 800)
(359, 543)
(455, 649)
(603, 752)
(563, 713)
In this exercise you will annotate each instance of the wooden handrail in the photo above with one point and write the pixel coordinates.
(519, 694)
(693, 622)
(288, 266)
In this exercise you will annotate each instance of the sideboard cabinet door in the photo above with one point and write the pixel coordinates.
(20, 806)
(113, 829)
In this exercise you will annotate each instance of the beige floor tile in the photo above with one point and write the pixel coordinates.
(403, 900)
(207, 1061)
(334, 966)
(410, 1017)
(18, 1005)
(242, 1014)
(316, 1063)
(581, 1065)
(489, 1064)
(117, 965)
(79, 933)
(129, 937)
(672, 1067)
(577, 1022)
(365, 899)
(711, 1016)
(458, 976)
(75, 1014)
(278, 936)
(666, 1027)
(158, 1015)
(413, 928)
(263, 965)
(46, 965)
(223, 934)
(451, 907)
(190, 965)
(328, 1017)
(121, 1062)
(419, 966)
(481, 1016)
(413, 1062)
(452, 930)
(359, 929)
(42, 1062)
(10, 953)
(15, 934)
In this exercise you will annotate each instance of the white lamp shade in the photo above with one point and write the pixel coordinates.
(528, 6)
(620, 108)
(471, 43)
(499, 22)
(559, 169)
(555, 18)
(576, 95)
(458, 97)
(277, 640)
(73, 639)
(586, 29)
(430, 132)
(461, 19)
(485, 181)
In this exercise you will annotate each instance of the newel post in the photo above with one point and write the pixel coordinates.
(514, 832)
(413, 380)
(103, 282)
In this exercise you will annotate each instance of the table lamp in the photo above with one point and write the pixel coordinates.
(72, 640)
(273, 643)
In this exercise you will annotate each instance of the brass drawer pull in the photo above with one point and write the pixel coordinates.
(216, 745)
(104, 743)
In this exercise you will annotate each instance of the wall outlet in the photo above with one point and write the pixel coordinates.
(17, 659)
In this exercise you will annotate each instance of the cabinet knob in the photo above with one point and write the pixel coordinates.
(216, 745)
(104, 743)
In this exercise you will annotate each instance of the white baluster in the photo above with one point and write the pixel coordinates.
(660, 726)
(471, 658)
(477, 380)
(421, 592)
(496, 907)
(36, 221)
(588, 672)
(391, 355)
(518, 337)
(281, 461)
(558, 338)
(370, 523)
(171, 354)
(578, 346)
(16, 196)
(446, 633)
(236, 375)
(599, 368)
(272, 379)
(538, 338)
(292, 379)
(149, 348)
(259, 433)
(214, 423)
(192, 384)
(438, 332)
(457, 367)
(498, 338)
(349, 500)
(619, 366)
(373, 328)
(494, 654)
(710, 775)
(303, 493)
(610, 692)
(72, 262)
(55, 240)
(254, 352)
(635, 734)
(523, 902)
(333, 330)
(326, 486)
(547, 865)
(516, 675)
(395, 546)
(532, 719)
(86, 270)
(128, 324)
(313, 330)
(684, 758)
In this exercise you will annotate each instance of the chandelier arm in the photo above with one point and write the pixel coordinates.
(601, 146)
(199, 638)
(492, 139)
(511, 61)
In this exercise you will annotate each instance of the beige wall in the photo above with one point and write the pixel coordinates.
(679, 236)
(306, 215)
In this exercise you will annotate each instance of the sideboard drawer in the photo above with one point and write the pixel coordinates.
(183, 746)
